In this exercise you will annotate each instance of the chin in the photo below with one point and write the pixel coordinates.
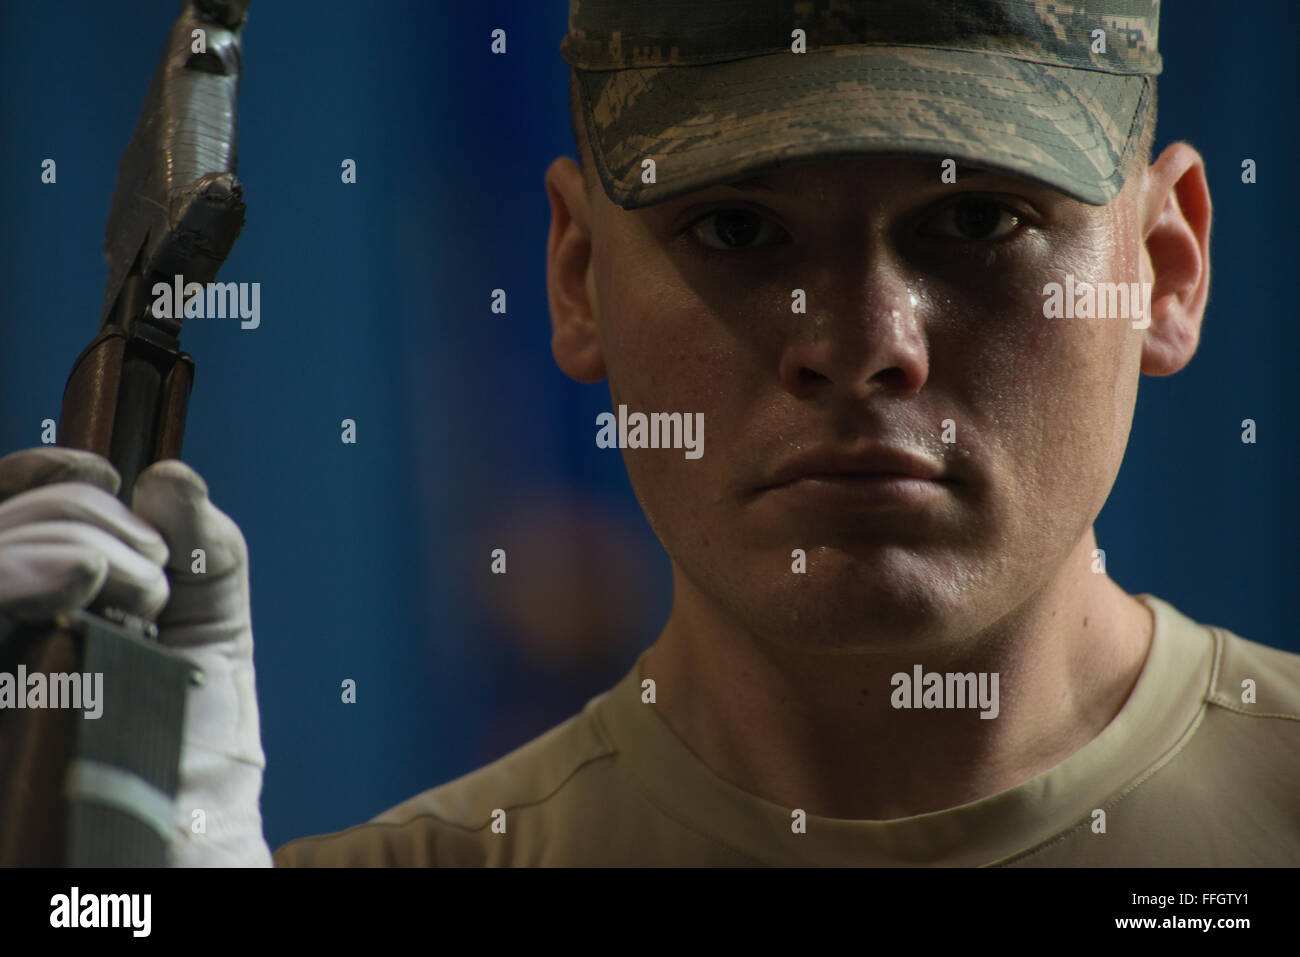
(895, 599)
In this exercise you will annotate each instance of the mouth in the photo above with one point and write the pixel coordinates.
(875, 479)
(858, 492)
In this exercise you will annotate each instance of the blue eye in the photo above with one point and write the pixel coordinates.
(735, 229)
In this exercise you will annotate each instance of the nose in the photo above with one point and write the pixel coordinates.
(856, 350)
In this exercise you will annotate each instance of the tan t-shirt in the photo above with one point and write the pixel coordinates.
(1187, 774)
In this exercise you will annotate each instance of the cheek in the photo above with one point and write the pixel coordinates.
(1050, 400)
(664, 352)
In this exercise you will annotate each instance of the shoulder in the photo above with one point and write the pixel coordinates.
(1239, 675)
(1226, 795)
(461, 823)
(1255, 679)
(1220, 766)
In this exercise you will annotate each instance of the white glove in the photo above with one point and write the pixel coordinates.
(65, 538)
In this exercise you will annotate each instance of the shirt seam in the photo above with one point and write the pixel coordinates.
(1255, 714)
(1149, 773)
(1221, 699)
(430, 815)
(666, 811)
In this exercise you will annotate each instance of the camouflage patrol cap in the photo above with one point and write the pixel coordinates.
(1056, 91)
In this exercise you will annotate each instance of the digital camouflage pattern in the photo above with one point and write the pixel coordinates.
(711, 91)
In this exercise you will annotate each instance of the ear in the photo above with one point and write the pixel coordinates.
(1176, 236)
(570, 287)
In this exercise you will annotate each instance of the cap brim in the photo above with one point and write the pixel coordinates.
(1070, 129)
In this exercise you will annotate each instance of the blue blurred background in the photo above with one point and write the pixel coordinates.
(371, 561)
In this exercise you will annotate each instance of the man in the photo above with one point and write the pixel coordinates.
(879, 250)
(900, 478)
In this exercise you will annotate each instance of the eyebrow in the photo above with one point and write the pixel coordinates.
(762, 183)
(758, 182)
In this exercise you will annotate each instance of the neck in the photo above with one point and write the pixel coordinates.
(819, 732)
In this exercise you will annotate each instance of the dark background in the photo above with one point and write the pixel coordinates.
(371, 561)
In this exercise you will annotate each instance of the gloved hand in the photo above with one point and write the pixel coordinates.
(65, 539)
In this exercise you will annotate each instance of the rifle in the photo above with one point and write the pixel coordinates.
(101, 793)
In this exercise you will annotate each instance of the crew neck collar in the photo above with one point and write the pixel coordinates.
(1163, 707)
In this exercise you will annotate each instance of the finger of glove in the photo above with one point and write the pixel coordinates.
(209, 592)
(63, 566)
(80, 502)
(48, 464)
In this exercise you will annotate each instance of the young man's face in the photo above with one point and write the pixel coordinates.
(924, 314)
